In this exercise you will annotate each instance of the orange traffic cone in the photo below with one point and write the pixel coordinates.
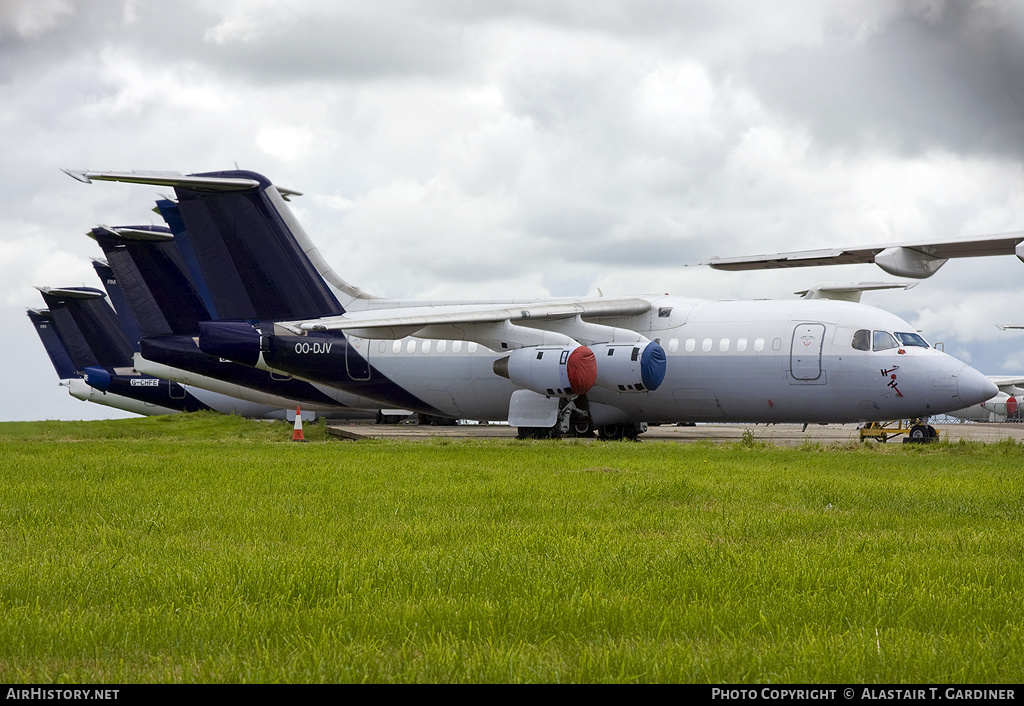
(297, 434)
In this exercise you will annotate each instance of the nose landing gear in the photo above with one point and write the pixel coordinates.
(917, 431)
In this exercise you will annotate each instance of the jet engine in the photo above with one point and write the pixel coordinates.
(97, 378)
(555, 371)
(630, 367)
(1002, 404)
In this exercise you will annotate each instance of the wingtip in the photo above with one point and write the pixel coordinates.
(81, 175)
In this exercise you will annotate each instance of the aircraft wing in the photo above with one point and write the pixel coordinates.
(508, 326)
(1004, 381)
(917, 260)
(850, 292)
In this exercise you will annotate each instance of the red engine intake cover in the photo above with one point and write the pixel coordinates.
(581, 367)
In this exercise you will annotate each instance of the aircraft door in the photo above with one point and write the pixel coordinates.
(805, 358)
(357, 358)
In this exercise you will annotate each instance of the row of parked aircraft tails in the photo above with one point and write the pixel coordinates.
(231, 307)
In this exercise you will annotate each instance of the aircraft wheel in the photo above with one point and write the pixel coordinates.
(632, 432)
(432, 420)
(582, 430)
(610, 432)
(534, 433)
(922, 434)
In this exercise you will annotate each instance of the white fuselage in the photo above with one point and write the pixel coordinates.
(727, 361)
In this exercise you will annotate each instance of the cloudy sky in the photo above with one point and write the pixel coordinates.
(514, 147)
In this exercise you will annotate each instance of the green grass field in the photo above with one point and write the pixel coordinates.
(202, 548)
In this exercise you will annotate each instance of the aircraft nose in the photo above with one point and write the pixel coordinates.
(973, 387)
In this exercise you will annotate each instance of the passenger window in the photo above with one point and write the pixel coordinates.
(862, 340)
(741, 344)
(882, 341)
(691, 344)
(673, 345)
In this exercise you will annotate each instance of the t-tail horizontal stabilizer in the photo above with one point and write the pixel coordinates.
(172, 179)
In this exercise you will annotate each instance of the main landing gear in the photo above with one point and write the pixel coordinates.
(585, 430)
(572, 420)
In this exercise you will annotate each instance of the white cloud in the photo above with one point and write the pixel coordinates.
(35, 260)
(287, 143)
(32, 18)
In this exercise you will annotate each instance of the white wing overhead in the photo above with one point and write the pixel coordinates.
(917, 260)
(1007, 382)
(850, 292)
(499, 328)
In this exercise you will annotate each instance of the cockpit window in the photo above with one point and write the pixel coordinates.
(862, 340)
(911, 339)
(882, 341)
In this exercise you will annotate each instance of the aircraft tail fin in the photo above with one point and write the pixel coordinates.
(55, 347)
(88, 326)
(117, 298)
(149, 267)
(251, 250)
(168, 210)
(255, 257)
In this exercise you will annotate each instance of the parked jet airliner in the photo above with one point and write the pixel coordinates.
(547, 366)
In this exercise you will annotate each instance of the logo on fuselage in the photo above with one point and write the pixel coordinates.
(891, 374)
